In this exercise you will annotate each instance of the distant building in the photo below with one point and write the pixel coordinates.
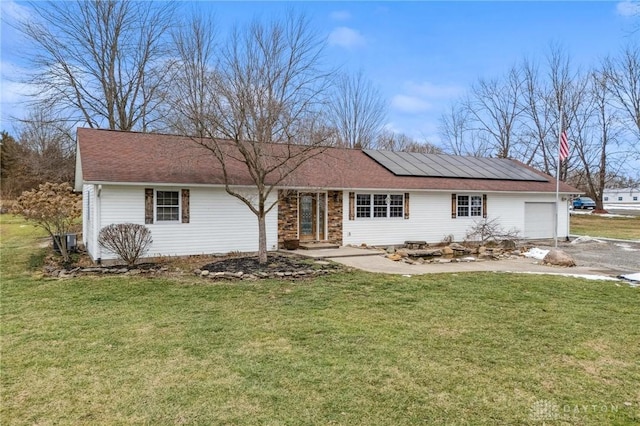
(621, 196)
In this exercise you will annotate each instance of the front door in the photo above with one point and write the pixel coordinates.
(311, 216)
(308, 217)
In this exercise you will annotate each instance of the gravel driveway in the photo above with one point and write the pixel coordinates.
(622, 257)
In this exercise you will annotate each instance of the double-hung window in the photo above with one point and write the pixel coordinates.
(363, 205)
(379, 205)
(469, 206)
(167, 206)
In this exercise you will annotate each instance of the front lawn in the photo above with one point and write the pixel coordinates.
(593, 225)
(351, 348)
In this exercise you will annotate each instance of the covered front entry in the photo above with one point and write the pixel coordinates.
(312, 216)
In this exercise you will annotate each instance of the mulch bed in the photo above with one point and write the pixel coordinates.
(234, 267)
(275, 263)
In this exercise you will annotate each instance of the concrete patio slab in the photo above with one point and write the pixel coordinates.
(334, 253)
(381, 264)
(375, 260)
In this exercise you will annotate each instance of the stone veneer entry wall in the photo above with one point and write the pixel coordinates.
(288, 216)
(334, 216)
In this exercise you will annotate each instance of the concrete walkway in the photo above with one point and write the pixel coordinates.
(373, 260)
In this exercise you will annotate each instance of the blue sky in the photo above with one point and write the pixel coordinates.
(422, 55)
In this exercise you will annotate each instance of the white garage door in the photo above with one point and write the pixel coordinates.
(539, 220)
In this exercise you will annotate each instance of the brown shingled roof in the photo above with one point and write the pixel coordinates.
(130, 157)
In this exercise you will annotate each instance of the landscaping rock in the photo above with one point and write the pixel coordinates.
(420, 243)
(416, 245)
(508, 244)
(395, 257)
(424, 253)
(204, 273)
(559, 258)
(402, 253)
(447, 250)
(458, 247)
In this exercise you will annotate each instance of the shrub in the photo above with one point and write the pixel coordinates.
(129, 241)
(486, 230)
(53, 207)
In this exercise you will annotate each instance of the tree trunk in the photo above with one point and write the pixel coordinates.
(262, 238)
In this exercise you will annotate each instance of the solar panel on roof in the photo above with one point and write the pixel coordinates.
(452, 166)
(460, 167)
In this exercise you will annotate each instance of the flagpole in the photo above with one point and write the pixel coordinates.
(555, 228)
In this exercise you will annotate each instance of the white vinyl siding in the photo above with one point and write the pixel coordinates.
(430, 219)
(219, 223)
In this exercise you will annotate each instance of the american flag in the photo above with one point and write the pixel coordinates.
(564, 146)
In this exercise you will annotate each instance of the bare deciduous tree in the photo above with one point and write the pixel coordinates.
(96, 61)
(192, 76)
(623, 73)
(495, 107)
(399, 142)
(266, 108)
(456, 132)
(357, 111)
(44, 152)
(537, 119)
(596, 133)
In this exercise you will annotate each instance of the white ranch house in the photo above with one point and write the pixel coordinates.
(343, 196)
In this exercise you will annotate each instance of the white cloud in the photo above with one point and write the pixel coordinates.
(434, 91)
(628, 8)
(13, 94)
(12, 11)
(11, 88)
(411, 104)
(346, 37)
(420, 97)
(340, 15)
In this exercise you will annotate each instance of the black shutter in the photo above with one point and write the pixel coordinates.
(484, 206)
(148, 205)
(352, 208)
(185, 206)
(406, 205)
(454, 200)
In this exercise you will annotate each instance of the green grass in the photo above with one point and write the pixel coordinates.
(624, 228)
(351, 348)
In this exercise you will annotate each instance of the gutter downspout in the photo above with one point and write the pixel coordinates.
(97, 221)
